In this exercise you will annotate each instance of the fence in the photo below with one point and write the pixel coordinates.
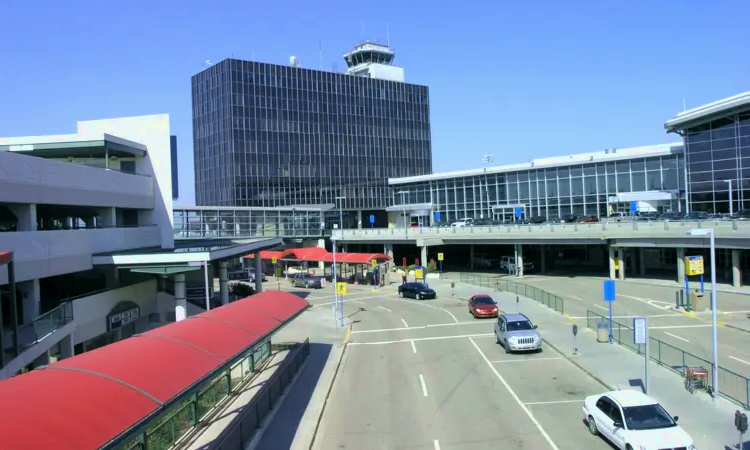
(733, 386)
(551, 301)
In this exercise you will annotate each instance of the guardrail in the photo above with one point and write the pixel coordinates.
(44, 325)
(549, 300)
(732, 386)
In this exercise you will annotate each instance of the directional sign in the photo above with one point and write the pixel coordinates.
(374, 264)
(694, 265)
(639, 330)
(341, 288)
(609, 290)
(437, 216)
(274, 260)
(372, 218)
(418, 273)
(440, 256)
(519, 211)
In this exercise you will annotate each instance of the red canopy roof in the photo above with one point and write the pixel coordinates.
(86, 401)
(306, 254)
(313, 254)
(357, 258)
(5, 257)
(268, 254)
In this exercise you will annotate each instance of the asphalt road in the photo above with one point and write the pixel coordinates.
(692, 334)
(426, 375)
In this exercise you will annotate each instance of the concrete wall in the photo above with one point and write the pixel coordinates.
(153, 132)
(41, 254)
(27, 179)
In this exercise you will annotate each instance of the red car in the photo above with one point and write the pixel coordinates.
(482, 305)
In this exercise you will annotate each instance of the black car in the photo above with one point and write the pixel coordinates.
(416, 290)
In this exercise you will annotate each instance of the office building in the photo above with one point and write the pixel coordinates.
(268, 135)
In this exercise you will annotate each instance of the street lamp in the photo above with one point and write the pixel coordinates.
(403, 203)
(731, 207)
(333, 269)
(699, 232)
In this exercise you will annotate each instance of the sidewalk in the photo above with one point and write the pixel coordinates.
(710, 424)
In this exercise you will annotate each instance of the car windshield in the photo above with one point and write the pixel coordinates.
(484, 301)
(419, 286)
(520, 325)
(647, 417)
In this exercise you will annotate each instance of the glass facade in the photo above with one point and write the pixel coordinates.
(551, 192)
(716, 152)
(268, 135)
(202, 223)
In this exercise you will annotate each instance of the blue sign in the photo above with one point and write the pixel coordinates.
(519, 211)
(633, 207)
(609, 290)
(372, 218)
(437, 216)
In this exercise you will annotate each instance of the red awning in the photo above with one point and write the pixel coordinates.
(88, 400)
(358, 258)
(6, 257)
(306, 254)
(267, 254)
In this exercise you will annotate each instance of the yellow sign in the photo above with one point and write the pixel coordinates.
(274, 260)
(694, 265)
(341, 288)
(418, 274)
(440, 256)
(617, 263)
(374, 264)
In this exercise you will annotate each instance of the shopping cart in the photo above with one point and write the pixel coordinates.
(696, 378)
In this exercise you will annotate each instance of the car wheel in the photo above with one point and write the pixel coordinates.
(592, 426)
(507, 348)
(418, 297)
(401, 294)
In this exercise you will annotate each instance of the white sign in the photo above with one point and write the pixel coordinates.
(639, 330)
(121, 319)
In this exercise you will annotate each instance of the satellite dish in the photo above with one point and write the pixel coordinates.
(293, 61)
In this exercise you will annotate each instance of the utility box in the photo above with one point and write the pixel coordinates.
(602, 331)
(698, 301)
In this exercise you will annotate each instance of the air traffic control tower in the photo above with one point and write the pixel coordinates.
(373, 60)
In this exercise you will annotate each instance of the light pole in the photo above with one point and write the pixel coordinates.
(403, 204)
(341, 214)
(731, 207)
(333, 269)
(712, 243)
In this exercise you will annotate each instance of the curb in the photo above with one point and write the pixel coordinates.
(744, 330)
(586, 371)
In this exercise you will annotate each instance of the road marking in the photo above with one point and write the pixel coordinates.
(424, 386)
(437, 444)
(554, 403)
(628, 317)
(577, 298)
(346, 300)
(405, 324)
(381, 330)
(740, 360)
(601, 307)
(523, 360)
(429, 306)
(424, 339)
(413, 347)
(675, 336)
(649, 302)
(515, 397)
(383, 307)
(736, 312)
(678, 326)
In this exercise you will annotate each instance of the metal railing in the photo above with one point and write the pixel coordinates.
(732, 386)
(549, 300)
(44, 325)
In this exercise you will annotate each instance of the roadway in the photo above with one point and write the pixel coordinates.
(426, 375)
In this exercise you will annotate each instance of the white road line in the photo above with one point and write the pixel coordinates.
(630, 317)
(522, 360)
(424, 339)
(413, 347)
(577, 298)
(601, 307)
(424, 386)
(347, 300)
(437, 444)
(649, 301)
(675, 336)
(553, 403)
(428, 306)
(740, 360)
(421, 327)
(515, 397)
(405, 324)
(736, 312)
(383, 307)
(669, 327)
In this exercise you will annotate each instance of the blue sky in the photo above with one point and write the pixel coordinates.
(519, 80)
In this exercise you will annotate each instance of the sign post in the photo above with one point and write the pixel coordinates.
(609, 297)
(419, 273)
(440, 262)
(437, 216)
(374, 272)
(640, 337)
(694, 266)
(275, 260)
(519, 212)
(372, 221)
(341, 291)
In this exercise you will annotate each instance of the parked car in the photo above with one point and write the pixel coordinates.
(630, 419)
(464, 222)
(416, 290)
(672, 216)
(508, 264)
(251, 275)
(697, 215)
(515, 332)
(587, 219)
(306, 281)
(482, 305)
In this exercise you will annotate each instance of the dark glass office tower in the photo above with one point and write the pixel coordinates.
(271, 135)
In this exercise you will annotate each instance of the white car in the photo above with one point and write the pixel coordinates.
(632, 420)
(464, 222)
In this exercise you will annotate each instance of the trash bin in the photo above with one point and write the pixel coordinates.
(602, 331)
(698, 301)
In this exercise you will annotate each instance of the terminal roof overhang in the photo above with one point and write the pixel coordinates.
(702, 114)
(187, 255)
(298, 208)
(86, 145)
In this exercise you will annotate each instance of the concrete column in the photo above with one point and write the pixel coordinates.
(107, 217)
(519, 260)
(542, 259)
(26, 215)
(388, 249)
(621, 261)
(66, 347)
(112, 277)
(42, 360)
(258, 280)
(642, 261)
(359, 219)
(68, 225)
(736, 269)
(471, 256)
(180, 297)
(680, 265)
(423, 257)
(31, 298)
(224, 283)
(321, 264)
(612, 271)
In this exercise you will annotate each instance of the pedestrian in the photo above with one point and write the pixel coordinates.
(403, 278)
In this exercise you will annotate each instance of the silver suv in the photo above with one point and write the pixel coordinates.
(515, 332)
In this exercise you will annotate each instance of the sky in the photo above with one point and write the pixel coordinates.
(517, 80)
